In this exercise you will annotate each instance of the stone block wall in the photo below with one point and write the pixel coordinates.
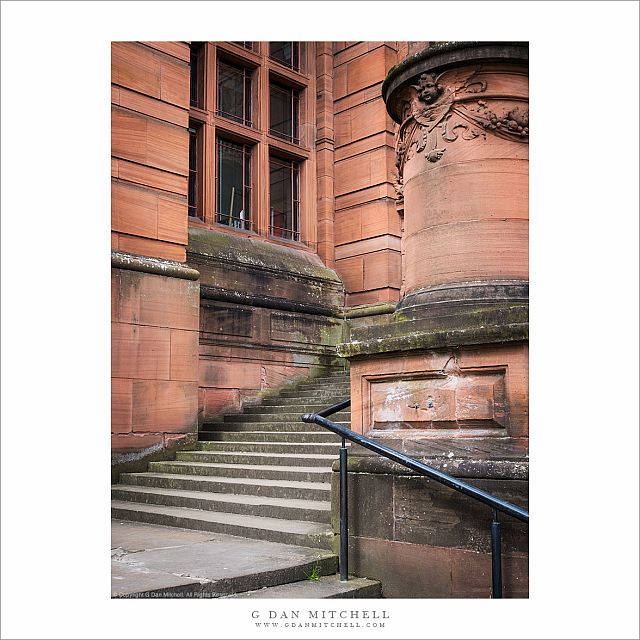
(423, 540)
(149, 148)
(154, 297)
(367, 225)
(154, 358)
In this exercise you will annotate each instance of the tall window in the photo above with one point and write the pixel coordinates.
(247, 151)
(233, 172)
(286, 53)
(234, 93)
(284, 199)
(196, 84)
(283, 112)
(194, 198)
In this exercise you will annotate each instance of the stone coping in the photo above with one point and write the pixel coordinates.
(258, 254)
(365, 310)
(437, 339)
(487, 458)
(156, 266)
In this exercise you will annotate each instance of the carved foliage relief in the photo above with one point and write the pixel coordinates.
(435, 115)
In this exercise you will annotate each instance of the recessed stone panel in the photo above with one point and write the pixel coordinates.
(453, 400)
(230, 321)
(289, 327)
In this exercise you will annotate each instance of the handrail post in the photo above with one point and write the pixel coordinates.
(344, 516)
(496, 557)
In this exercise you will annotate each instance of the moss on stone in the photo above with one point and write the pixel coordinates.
(426, 340)
(258, 254)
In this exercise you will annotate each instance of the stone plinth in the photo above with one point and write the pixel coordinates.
(154, 358)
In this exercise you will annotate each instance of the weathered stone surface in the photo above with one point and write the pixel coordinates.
(419, 571)
(425, 512)
(422, 367)
(370, 505)
(189, 564)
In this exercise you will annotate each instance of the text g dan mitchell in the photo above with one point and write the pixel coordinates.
(310, 614)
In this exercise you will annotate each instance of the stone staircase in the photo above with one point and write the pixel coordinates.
(261, 474)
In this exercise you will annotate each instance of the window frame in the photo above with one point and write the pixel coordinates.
(197, 53)
(247, 119)
(247, 186)
(260, 142)
(196, 136)
(295, 168)
(295, 57)
(294, 109)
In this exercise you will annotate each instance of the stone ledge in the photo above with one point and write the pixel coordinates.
(366, 310)
(270, 302)
(456, 467)
(258, 255)
(436, 339)
(156, 266)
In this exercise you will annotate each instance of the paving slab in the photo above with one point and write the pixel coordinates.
(137, 536)
(153, 560)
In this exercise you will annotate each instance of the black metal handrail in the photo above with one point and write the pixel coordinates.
(490, 500)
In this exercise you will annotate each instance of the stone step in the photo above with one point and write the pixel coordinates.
(321, 392)
(330, 378)
(298, 408)
(297, 401)
(277, 459)
(261, 435)
(296, 532)
(324, 587)
(265, 426)
(338, 387)
(263, 506)
(309, 392)
(270, 415)
(159, 561)
(254, 471)
(213, 444)
(285, 489)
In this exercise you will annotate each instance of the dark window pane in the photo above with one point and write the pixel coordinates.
(286, 53)
(234, 185)
(283, 112)
(196, 71)
(247, 99)
(283, 199)
(192, 198)
(231, 92)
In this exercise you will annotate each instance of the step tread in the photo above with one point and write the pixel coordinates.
(257, 454)
(275, 442)
(324, 587)
(253, 522)
(277, 433)
(300, 484)
(241, 498)
(247, 467)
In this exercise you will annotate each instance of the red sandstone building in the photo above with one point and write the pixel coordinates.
(291, 212)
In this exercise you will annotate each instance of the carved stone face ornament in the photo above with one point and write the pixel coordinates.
(429, 90)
